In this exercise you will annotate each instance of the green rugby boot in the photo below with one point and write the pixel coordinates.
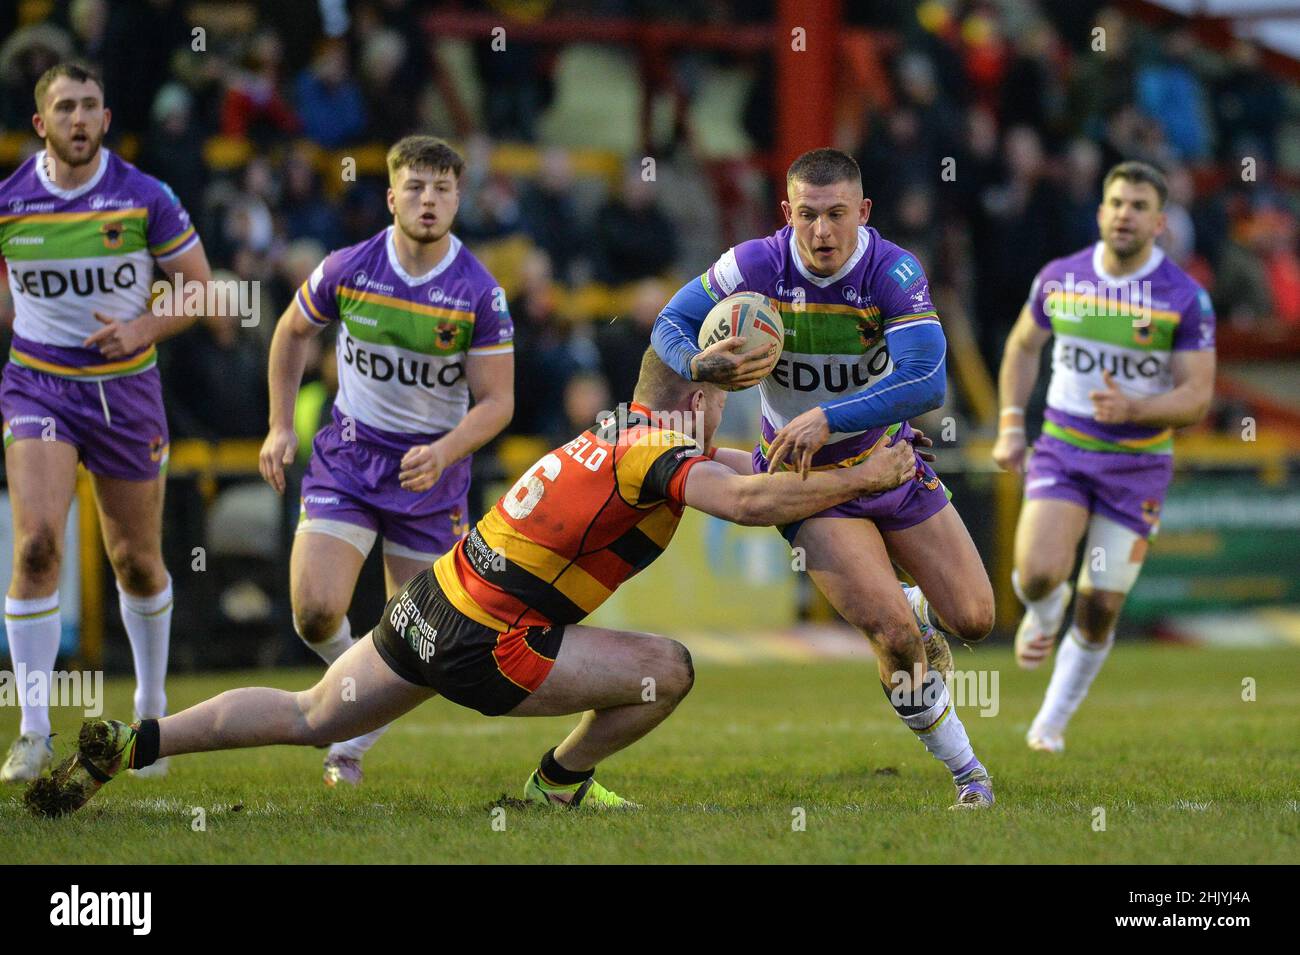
(589, 793)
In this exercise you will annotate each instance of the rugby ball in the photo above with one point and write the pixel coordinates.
(750, 315)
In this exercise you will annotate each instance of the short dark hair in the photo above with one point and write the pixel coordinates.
(73, 71)
(424, 152)
(824, 167)
(1134, 171)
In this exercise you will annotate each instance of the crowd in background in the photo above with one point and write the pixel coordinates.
(1017, 94)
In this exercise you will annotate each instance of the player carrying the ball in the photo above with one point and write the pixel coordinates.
(422, 327)
(494, 624)
(1133, 360)
(864, 352)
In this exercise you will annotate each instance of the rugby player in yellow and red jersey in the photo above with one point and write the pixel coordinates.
(494, 623)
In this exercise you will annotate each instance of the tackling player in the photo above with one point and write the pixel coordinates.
(494, 624)
(1133, 360)
(864, 352)
(80, 229)
(422, 327)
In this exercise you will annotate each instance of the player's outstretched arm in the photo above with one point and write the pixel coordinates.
(1019, 371)
(1185, 404)
(767, 499)
(285, 365)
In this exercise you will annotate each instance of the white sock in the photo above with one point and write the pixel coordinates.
(148, 622)
(1077, 664)
(1050, 610)
(32, 627)
(938, 726)
(333, 648)
(356, 747)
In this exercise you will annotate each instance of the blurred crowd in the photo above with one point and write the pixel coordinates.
(1031, 101)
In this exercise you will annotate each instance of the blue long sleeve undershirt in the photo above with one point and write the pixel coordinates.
(916, 385)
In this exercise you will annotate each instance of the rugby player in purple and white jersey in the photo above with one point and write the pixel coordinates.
(422, 327)
(80, 230)
(864, 352)
(1133, 360)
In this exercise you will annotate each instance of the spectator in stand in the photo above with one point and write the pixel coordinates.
(1102, 80)
(548, 350)
(1169, 91)
(1241, 294)
(215, 377)
(1248, 106)
(328, 100)
(24, 56)
(1082, 194)
(894, 157)
(1030, 85)
(173, 148)
(623, 341)
(548, 213)
(137, 41)
(1025, 228)
(89, 22)
(390, 95)
(634, 237)
(306, 214)
(253, 106)
(586, 395)
(1179, 239)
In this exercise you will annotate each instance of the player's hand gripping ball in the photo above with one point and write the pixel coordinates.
(741, 340)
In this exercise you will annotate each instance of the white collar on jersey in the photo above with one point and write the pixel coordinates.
(434, 272)
(1150, 265)
(821, 281)
(43, 175)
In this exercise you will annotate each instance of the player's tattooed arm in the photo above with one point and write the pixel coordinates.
(724, 363)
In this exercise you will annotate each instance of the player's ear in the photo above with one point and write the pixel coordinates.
(108, 119)
(787, 211)
(392, 201)
(864, 213)
(38, 124)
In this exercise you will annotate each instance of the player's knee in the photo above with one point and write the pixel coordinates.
(974, 618)
(137, 572)
(1095, 613)
(314, 726)
(316, 621)
(675, 672)
(898, 641)
(1037, 582)
(39, 554)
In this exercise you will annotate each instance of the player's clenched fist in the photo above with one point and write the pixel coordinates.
(421, 467)
(278, 451)
(723, 363)
(1009, 451)
(888, 467)
(1111, 406)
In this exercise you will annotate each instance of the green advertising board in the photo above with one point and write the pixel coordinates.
(1224, 542)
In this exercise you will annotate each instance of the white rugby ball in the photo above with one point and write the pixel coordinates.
(750, 315)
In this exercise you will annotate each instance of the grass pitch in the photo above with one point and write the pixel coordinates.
(1185, 770)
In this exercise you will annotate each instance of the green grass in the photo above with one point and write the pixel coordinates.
(1185, 770)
